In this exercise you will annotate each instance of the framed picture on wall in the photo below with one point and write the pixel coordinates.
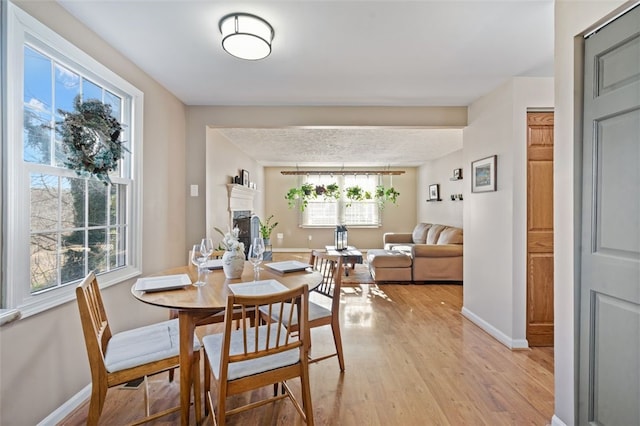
(434, 192)
(483, 174)
(245, 178)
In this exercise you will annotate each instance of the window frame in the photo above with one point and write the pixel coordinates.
(23, 29)
(341, 206)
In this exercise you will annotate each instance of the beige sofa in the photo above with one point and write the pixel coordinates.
(432, 252)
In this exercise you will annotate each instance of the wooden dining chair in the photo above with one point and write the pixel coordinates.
(125, 356)
(331, 268)
(258, 355)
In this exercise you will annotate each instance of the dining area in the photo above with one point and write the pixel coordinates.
(395, 340)
(263, 312)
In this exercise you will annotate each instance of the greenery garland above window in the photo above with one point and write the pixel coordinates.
(91, 139)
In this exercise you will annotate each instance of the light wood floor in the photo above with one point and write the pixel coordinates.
(411, 359)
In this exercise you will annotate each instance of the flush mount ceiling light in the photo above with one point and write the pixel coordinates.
(246, 36)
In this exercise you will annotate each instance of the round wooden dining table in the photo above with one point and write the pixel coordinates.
(197, 305)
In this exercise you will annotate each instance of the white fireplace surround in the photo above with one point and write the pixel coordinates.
(240, 198)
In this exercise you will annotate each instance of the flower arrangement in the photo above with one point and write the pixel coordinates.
(91, 139)
(230, 240)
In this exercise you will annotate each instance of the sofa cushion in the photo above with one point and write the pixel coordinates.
(420, 233)
(437, 250)
(434, 233)
(450, 235)
(406, 249)
(388, 259)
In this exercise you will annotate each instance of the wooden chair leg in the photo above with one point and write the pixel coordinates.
(207, 387)
(222, 404)
(197, 391)
(147, 410)
(337, 339)
(98, 395)
(306, 397)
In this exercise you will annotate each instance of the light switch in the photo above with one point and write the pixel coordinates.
(194, 190)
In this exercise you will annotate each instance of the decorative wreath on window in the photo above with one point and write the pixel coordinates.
(91, 139)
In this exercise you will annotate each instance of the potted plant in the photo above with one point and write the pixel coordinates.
(303, 194)
(386, 194)
(266, 228)
(293, 195)
(391, 195)
(332, 192)
(356, 193)
(320, 190)
(308, 190)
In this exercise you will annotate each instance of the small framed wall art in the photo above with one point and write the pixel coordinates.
(434, 192)
(483, 174)
(245, 178)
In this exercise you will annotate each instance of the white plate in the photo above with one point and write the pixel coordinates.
(288, 266)
(257, 288)
(166, 282)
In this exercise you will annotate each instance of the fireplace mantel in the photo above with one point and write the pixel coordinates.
(240, 197)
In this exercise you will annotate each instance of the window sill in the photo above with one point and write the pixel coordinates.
(9, 315)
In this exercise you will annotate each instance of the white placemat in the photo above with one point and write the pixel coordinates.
(287, 266)
(257, 288)
(165, 282)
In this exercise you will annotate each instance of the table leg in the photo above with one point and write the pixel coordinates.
(187, 328)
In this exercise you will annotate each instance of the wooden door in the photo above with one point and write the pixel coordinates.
(609, 257)
(540, 228)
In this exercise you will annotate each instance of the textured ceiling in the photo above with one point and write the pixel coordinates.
(333, 52)
(337, 147)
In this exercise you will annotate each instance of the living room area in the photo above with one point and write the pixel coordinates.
(494, 248)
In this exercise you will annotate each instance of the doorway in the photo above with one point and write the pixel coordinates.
(540, 228)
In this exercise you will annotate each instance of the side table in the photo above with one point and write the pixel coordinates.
(350, 256)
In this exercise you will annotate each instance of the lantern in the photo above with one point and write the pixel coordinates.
(341, 237)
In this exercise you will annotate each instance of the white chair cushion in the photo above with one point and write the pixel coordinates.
(213, 348)
(315, 312)
(142, 345)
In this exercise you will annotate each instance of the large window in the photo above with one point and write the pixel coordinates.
(345, 211)
(61, 225)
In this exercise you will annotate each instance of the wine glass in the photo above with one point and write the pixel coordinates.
(255, 256)
(206, 247)
(198, 259)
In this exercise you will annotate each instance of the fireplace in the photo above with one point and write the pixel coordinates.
(242, 220)
(240, 211)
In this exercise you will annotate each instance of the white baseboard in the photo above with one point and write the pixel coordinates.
(494, 332)
(67, 408)
(555, 421)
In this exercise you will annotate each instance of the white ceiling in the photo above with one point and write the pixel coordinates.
(334, 52)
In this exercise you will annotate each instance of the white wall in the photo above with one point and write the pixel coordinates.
(43, 357)
(571, 19)
(439, 171)
(495, 222)
(225, 160)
